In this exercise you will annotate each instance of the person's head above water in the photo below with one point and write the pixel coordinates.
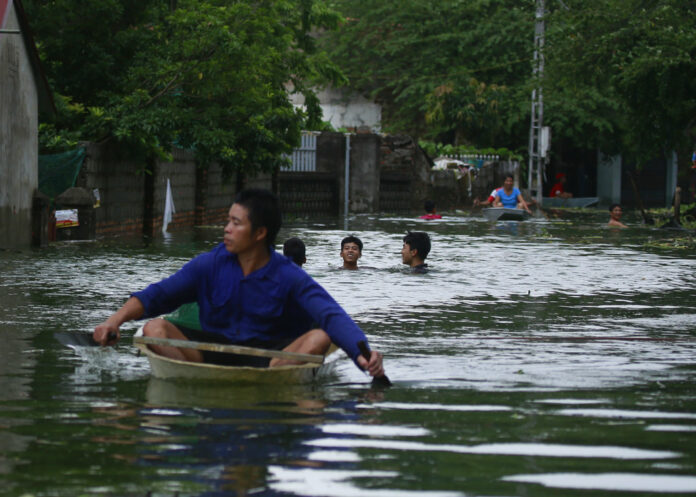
(295, 249)
(416, 248)
(429, 206)
(615, 213)
(351, 250)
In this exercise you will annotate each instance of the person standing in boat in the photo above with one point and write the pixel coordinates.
(244, 289)
(414, 251)
(509, 196)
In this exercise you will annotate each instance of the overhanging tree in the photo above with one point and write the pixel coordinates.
(620, 75)
(208, 75)
(440, 68)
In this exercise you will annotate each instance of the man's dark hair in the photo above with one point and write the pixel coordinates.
(429, 206)
(420, 241)
(613, 206)
(295, 249)
(509, 176)
(352, 239)
(264, 211)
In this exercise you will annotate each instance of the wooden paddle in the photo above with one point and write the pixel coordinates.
(229, 349)
(377, 381)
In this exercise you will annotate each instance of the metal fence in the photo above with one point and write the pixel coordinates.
(304, 157)
(476, 160)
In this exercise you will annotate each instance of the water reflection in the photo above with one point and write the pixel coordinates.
(627, 482)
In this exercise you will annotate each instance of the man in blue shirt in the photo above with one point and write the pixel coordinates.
(245, 290)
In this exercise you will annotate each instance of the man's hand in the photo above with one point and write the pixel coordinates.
(106, 333)
(374, 366)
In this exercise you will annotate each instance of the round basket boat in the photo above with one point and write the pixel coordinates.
(166, 368)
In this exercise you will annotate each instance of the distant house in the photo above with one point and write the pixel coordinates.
(24, 91)
(346, 109)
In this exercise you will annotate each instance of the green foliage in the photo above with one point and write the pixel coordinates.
(687, 215)
(440, 68)
(620, 75)
(63, 134)
(208, 75)
(212, 74)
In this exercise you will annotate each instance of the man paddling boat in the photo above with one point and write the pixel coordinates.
(246, 293)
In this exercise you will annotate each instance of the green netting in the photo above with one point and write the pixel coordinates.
(58, 172)
(186, 315)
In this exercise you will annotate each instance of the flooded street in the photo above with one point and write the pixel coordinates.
(543, 358)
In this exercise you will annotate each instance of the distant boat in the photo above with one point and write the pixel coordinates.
(576, 202)
(505, 214)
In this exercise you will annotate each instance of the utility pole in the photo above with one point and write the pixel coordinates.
(537, 151)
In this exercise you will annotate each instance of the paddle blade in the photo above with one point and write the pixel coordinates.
(75, 339)
(78, 339)
(381, 381)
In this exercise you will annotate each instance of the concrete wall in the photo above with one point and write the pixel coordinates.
(121, 183)
(132, 201)
(181, 172)
(404, 170)
(19, 126)
(345, 109)
(608, 179)
(214, 196)
(364, 173)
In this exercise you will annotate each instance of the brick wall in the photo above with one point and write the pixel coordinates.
(181, 172)
(388, 173)
(133, 202)
(121, 184)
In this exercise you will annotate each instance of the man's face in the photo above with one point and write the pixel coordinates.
(508, 183)
(238, 234)
(616, 212)
(350, 252)
(407, 254)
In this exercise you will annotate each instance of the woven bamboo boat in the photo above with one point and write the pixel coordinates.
(166, 368)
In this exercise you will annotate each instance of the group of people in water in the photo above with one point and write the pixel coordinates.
(415, 249)
(250, 295)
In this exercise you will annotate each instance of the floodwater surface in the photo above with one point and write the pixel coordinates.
(543, 358)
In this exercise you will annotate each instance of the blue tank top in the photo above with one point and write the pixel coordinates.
(509, 201)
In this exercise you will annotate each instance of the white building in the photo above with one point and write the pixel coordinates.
(345, 109)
